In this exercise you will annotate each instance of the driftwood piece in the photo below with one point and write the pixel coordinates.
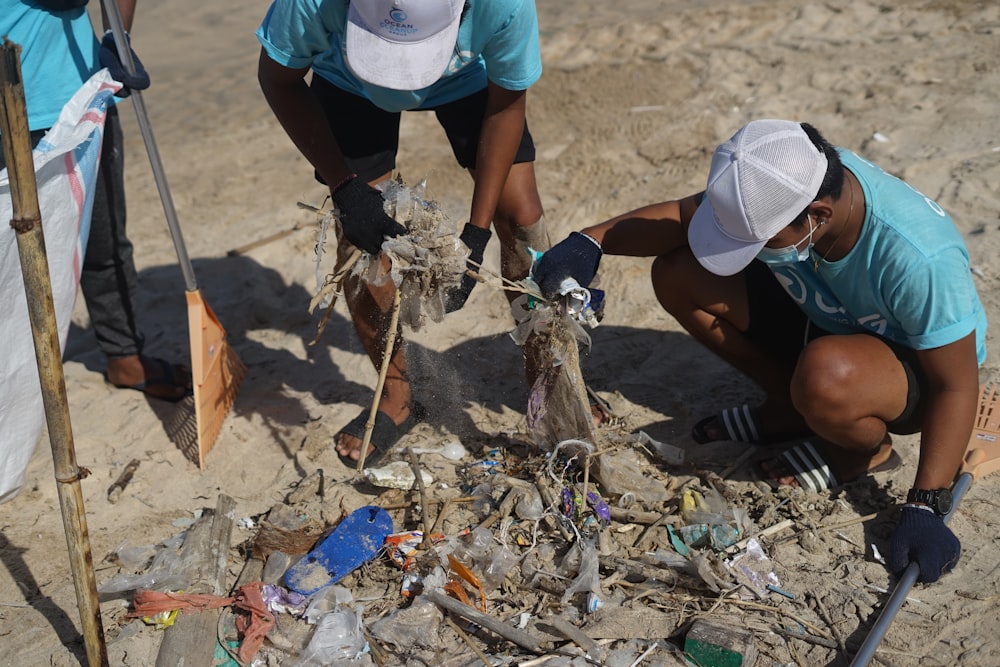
(115, 490)
(523, 639)
(566, 629)
(205, 555)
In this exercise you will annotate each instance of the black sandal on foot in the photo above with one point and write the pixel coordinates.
(385, 433)
(739, 424)
(811, 471)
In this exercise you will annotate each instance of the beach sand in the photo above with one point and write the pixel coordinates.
(634, 97)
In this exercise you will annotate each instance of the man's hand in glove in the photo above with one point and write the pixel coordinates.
(108, 56)
(922, 537)
(577, 257)
(475, 238)
(363, 216)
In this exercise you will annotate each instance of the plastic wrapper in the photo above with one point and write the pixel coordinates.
(165, 573)
(413, 626)
(623, 472)
(338, 640)
(588, 578)
(753, 569)
(326, 600)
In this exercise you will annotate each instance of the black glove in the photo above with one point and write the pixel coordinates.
(476, 239)
(109, 58)
(921, 536)
(363, 216)
(577, 256)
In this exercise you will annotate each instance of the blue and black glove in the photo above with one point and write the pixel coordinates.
(363, 216)
(475, 238)
(577, 257)
(108, 56)
(922, 537)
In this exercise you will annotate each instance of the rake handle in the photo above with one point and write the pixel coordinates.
(125, 55)
(909, 577)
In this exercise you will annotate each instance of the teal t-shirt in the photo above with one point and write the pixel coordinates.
(907, 278)
(58, 54)
(497, 41)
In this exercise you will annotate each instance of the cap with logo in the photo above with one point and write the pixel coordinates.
(760, 181)
(401, 44)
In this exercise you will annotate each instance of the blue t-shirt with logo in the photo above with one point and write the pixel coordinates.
(497, 41)
(906, 279)
(58, 54)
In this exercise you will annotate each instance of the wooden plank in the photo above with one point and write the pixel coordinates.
(191, 639)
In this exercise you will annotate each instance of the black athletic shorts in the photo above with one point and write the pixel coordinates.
(369, 136)
(779, 326)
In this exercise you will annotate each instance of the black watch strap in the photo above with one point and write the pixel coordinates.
(938, 500)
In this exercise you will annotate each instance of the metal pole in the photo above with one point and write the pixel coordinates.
(27, 224)
(906, 581)
(125, 55)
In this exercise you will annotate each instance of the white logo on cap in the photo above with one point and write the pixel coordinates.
(396, 24)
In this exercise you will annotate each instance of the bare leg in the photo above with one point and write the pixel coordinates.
(519, 224)
(371, 309)
(715, 311)
(848, 388)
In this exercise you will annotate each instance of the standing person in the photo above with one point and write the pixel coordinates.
(471, 63)
(60, 51)
(840, 290)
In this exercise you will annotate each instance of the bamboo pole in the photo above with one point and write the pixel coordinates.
(27, 225)
(390, 344)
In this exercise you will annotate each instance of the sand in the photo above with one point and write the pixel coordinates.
(633, 100)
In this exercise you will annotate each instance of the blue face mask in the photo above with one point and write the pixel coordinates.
(789, 254)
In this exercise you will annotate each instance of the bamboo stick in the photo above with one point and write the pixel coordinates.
(27, 224)
(390, 343)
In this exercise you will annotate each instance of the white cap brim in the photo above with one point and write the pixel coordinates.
(411, 66)
(714, 249)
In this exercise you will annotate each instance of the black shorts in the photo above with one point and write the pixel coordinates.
(369, 136)
(781, 328)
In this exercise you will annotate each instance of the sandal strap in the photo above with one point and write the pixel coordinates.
(809, 467)
(740, 424)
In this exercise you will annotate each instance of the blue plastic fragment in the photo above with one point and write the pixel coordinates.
(356, 540)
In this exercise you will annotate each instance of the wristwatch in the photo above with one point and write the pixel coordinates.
(938, 500)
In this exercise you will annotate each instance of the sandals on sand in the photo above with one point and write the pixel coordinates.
(164, 381)
(739, 424)
(810, 470)
(385, 433)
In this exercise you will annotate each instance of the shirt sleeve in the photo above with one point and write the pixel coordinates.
(295, 32)
(513, 55)
(937, 303)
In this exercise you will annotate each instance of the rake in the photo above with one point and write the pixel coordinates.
(216, 369)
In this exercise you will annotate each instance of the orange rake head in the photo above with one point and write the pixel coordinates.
(216, 370)
(983, 454)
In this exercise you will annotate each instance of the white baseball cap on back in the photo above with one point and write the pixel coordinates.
(401, 44)
(760, 181)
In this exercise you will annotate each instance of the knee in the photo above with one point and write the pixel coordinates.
(822, 383)
(520, 212)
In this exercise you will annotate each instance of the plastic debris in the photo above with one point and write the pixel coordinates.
(356, 540)
(396, 475)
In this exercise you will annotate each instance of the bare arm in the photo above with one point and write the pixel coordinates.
(299, 113)
(126, 8)
(499, 138)
(650, 231)
(953, 382)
